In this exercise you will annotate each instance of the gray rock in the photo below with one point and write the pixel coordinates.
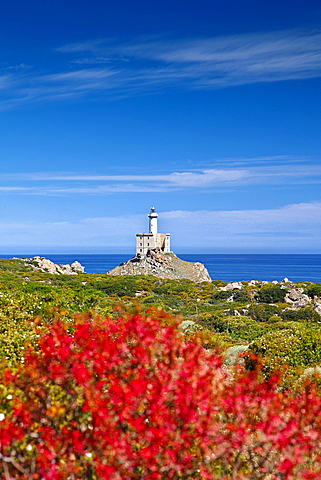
(232, 286)
(302, 302)
(297, 297)
(44, 265)
(188, 327)
(295, 293)
(77, 267)
(309, 373)
(317, 308)
(162, 265)
(232, 354)
(285, 280)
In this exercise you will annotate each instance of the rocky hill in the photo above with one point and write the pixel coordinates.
(163, 266)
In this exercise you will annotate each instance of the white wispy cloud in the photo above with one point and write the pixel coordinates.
(60, 183)
(81, 47)
(151, 65)
(233, 60)
(287, 229)
(291, 227)
(15, 189)
(296, 216)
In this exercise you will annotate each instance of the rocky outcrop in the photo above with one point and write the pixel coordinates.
(161, 265)
(297, 297)
(44, 265)
(232, 286)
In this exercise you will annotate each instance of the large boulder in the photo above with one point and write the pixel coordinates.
(297, 297)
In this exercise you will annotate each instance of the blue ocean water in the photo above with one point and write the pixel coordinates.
(298, 268)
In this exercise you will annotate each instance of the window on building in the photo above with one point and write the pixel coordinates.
(141, 249)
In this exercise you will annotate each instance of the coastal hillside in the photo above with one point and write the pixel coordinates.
(279, 321)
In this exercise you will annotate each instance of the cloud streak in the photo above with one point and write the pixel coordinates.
(289, 228)
(60, 183)
(110, 68)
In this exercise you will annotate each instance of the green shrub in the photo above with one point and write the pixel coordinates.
(271, 294)
(38, 288)
(241, 297)
(120, 286)
(13, 265)
(221, 295)
(263, 312)
(244, 328)
(275, 319)
(219, 283)
(167, 300)
(314, 290)
(213, 323)
(295, 346)
(237, 327)
(175, 287)
(307, 314)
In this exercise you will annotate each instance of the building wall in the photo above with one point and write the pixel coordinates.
(144, 242)
(163, 242)
(148, 241)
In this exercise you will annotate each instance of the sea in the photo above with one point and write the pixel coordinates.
(226, 267)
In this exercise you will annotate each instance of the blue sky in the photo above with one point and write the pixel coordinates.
(211, 111)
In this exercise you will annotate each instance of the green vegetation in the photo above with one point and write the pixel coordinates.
(255, 318)
(271, 294)
(314, 290)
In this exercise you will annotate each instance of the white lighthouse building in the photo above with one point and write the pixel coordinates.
(146, 242)
(153, 221)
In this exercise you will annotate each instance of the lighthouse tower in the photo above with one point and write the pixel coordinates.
(152, 241)
(153, 221)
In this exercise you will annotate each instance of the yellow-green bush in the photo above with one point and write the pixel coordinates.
(297, 346)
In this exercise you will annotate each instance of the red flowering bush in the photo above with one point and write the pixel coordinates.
(129, 399)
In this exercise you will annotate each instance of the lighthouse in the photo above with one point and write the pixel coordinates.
(153, 215)
(152, 241)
